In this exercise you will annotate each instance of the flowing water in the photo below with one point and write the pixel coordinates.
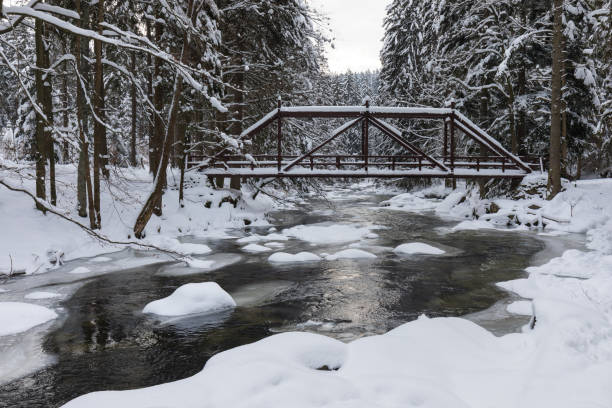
(105, 342)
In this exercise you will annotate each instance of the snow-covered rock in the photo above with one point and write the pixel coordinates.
(418, 248)
(17, 317)
(351, 253)
(283, 257)
(254, 248)
(192, 298)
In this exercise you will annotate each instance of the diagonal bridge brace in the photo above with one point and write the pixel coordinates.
(342, 129)
(395, 134)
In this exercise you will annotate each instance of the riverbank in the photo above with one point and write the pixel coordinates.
(32, 242)
(562, 359)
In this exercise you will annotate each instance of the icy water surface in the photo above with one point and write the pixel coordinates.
(105, 342)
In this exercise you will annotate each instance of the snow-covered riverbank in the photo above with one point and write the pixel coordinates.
(562, 359)
(31, 242)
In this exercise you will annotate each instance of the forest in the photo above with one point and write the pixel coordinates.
(107, 85)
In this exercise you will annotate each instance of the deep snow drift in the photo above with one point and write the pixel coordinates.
(563, 359)
(32, 242)
(200, 298)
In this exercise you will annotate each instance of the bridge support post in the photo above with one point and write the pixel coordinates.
(220, 181)
(452, 144)
(235, 182)
(364, 136)
(279, 135)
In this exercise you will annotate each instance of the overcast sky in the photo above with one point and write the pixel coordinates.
(357, 28)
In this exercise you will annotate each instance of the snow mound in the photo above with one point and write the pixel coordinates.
(520, 307)
(254, 248)
(80, 269)
(17, 317)
(42, 295)
(283, 257)
(257, 238)
(201, 298)
(327, 234)
(351, 254)
(418, 248)
(409, 202)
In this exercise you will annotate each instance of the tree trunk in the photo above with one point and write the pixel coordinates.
(47, 103)
(159, 182)
(158, 130)
(554, 182)
(39, 140)
(81, 49)
(134, 113)
(99, 129)
(85, 188)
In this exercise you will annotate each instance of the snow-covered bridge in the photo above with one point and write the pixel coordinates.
(497, 163)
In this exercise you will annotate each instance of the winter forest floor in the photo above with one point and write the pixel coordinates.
(562, 358)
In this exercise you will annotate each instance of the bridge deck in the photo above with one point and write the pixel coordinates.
(362, 173)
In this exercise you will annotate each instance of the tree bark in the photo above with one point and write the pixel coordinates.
(85, 188)
(158, 130)
(99, 129)
(134, 113)
(554, 174)
(39, 139)
(47, 103)
(81, 49)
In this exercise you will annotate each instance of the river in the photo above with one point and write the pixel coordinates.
(104, 341)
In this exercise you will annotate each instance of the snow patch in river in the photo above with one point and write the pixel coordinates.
(17, 317)
(80, 270)
(254, 248)
(42, 295)
(328, 233)
(351, 253)
(414, 248)
(283, 257)
(192, 298)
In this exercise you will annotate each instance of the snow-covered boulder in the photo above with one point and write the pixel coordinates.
(418, 248)
(351, 253)
(283, 257)
(254, 248)
(192, 298)
(17, 317)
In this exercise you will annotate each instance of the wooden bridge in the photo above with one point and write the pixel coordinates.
(497, 163)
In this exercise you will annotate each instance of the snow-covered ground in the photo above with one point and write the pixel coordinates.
(31, 242)
(563, 358)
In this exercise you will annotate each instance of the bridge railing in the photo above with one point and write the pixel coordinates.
(355, 162)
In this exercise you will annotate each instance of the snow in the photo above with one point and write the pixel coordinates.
(200, 298)
(327, 234)
(42, 295)
(80, 270)
(521, 307)
(254, 248)
(283, 257)
(34, 241)
(17, 317)
(418, 248)
(100, 259)
(351, 253)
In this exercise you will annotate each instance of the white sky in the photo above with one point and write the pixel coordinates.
(357, 28)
